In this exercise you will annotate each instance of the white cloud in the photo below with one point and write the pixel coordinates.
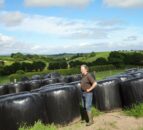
(1, 3)
(56, 3)
(10, 44)
(11, 18)
(131, 38)
(57, 26)
(109, 23)
(50, 35)
(124, 3)
(5, 40)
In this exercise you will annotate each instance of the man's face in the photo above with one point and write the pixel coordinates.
(83, 70)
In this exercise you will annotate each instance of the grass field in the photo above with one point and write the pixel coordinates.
(136, 111)
(7, 60)
(4, 79)
(90, 59)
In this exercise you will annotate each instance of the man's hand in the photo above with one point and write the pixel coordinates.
(88, 90)
(92, 87)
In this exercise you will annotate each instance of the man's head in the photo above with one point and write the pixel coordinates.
(84, 69)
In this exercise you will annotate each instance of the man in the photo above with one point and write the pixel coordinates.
(87, 84)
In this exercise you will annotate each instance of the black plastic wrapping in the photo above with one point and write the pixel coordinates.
(77, 85)
(106, 96)
(18, 109)
(16, 88)
(36, 77)
(45, 82)
(62, 104)
(3, 89)
(132, 92)
(34, 84)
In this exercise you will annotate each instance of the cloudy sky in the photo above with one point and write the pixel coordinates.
(70, 26)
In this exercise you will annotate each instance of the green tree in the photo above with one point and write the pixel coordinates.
(39, 65)
(92, 54)
(18, 56)
(27, 67)
(100, 61)
(62, 64)
(76, 63)
(116, 58)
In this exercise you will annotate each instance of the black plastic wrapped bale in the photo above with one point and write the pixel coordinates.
(77, 77)
(62, 79)
(16, 88)
(132, 92)
(47, 86)
(68, 79)
(62, 104)
(53, 80)
(35, 84)
(12, 94)
(137, 74)
(36, 77)
(23, 79)
(46, 76)
(132, 70)
(45, 82)
(21, 109)
(77, 85)
(3, 89)
(54, 75)
(55, 84)
(27, 85)
(121, 77)
(106, 95)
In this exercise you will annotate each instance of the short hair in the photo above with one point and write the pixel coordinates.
(85, 66)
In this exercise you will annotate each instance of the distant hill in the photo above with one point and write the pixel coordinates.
(85, 57)
(89, 58)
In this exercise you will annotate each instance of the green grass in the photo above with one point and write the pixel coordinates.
(104, 74)
(91, 59)
(95, 112)
(4, 79)
(102, 54)
(8, 62)
(39, 126)
(6, 58)
(135, 111)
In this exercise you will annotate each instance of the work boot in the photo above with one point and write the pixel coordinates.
(83, 115)
(90, 117)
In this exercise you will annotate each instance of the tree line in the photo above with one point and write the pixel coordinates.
(25, 66)
(116, 58)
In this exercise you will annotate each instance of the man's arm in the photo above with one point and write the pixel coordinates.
(92, 87)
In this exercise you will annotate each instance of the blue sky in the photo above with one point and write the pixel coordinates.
(70, 26)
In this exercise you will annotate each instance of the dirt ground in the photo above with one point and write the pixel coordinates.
(109, 121)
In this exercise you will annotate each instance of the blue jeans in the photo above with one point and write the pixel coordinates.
(87, 100)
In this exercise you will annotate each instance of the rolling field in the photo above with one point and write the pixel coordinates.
(87, 58)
